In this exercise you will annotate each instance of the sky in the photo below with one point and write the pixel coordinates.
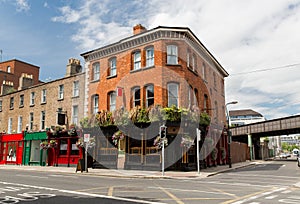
(257, 42)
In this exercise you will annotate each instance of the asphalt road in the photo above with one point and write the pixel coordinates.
(272, 182)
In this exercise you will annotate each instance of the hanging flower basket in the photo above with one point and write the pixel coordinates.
(186, 141)
(79, 143)
(52, 144)
(44, 145)
(158, 142)
(119, 135)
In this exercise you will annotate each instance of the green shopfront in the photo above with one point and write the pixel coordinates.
(33, 153)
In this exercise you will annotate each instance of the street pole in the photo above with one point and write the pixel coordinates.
(86, 152)
(229, 133)
(198, 149)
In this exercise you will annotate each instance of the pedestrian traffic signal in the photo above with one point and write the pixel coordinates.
(163, 131)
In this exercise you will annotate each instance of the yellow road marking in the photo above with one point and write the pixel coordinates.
(223, 192)
(110, 191)
(172, 196)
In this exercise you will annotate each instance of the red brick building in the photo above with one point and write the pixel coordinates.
(17, 75)
(166, 66)
(152, 65)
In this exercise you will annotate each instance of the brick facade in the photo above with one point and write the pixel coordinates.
(206, 76)
(51, 106)
(11, 71)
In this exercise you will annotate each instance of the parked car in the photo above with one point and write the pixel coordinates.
(284, 155)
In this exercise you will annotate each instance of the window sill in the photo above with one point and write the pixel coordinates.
(60, 99)
(75, 96)
(94, 81)
(31, 105)
(21, 106)
(177, 65)
(110, 77)
(43, 103)
(11, 108)
(193, 71)
(150, 67)
(136, 70)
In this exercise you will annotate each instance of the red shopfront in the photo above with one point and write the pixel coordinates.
(11, 148)
(64, 152)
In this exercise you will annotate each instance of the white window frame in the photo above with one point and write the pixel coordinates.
(112, 101)
(9, 128)
(173, 94)
(96, 71)
(20, 121)
(95, 103)
(43, 120)
(172, 54)
(43, 96)
(75, 114)
(150, 57)
(137, 60)
(32, 98)
(134, 99)
(113, 66)
(61, 91)
(75, 88)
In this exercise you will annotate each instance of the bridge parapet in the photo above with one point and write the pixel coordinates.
(280, 126)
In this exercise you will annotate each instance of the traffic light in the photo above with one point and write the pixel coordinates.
(163, 131)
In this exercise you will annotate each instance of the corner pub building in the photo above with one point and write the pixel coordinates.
(166, 66)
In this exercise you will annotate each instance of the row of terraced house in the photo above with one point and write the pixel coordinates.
(165, 66)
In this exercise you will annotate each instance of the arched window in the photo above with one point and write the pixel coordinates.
(96, 71)
(136, 60)
(112, 101)
(149, 95)
(113, 66)
(150, 57)
(172, 54)
(205, 103)
(173, 95)
(136, 96)
(95, 103)
(8, 69)
(195, 99)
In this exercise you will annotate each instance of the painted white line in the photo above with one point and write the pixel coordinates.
(24, 175)
(196, 191)
(259, 196)
(286, 192)
(271, 197)
(79, 193)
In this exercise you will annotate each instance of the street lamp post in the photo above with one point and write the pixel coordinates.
(229, 132)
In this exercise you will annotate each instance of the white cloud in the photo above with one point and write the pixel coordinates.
(243, 36)
(22, 5)
(46, 5)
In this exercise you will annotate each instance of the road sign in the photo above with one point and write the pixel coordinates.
(86, 137)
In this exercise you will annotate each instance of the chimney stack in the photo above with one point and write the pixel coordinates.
(73, 67)
(137, 29)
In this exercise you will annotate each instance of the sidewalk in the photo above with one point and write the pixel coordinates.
(136, 173)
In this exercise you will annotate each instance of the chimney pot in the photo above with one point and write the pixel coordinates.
(138, 29)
